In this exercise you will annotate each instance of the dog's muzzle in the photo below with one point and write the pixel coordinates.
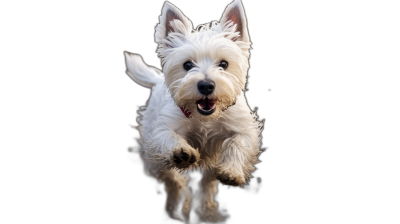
(206, 106)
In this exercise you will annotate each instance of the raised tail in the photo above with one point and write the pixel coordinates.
(143, 74)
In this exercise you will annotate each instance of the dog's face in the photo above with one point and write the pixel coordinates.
(205, 69)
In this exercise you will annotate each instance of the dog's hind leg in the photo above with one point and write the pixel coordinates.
(208, 210)
(177, 192)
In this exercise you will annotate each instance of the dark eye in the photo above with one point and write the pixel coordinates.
(223, 64)
(188, 65)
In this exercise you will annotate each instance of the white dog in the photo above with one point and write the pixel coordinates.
(197, 115)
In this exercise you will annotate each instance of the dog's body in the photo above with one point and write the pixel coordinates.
(197, 115)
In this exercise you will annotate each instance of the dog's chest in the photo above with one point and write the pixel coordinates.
(208, 135)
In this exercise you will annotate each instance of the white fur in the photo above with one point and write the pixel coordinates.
(225, 143)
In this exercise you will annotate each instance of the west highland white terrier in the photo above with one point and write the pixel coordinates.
(197, 116)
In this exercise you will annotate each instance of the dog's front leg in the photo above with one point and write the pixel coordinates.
(170, 150)
(163, 149)
(238, 156)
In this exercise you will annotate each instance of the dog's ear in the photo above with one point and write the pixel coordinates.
(234, 12)
(172, 20)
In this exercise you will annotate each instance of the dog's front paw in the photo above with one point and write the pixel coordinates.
(231, 178)
(185, 156)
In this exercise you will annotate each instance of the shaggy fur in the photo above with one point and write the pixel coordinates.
(224, 145)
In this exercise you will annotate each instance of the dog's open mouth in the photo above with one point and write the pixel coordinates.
(206, 106)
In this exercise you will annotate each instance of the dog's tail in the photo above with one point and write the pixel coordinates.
(143, 74)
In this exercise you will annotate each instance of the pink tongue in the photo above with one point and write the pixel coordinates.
(207, 103)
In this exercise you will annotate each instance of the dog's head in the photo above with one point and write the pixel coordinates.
(205, 68)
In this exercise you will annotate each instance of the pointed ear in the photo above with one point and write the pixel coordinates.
(234, 12)
(172, 20)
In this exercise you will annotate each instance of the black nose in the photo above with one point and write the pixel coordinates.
(205, 87)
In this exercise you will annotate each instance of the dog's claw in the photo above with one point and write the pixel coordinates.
(193, 159)
(177, 159)
(185, 156)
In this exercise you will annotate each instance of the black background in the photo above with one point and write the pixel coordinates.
(292, 46)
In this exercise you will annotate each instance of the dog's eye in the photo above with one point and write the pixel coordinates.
(223, 64)
(188, 65)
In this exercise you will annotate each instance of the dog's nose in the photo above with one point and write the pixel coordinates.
(205, 87)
